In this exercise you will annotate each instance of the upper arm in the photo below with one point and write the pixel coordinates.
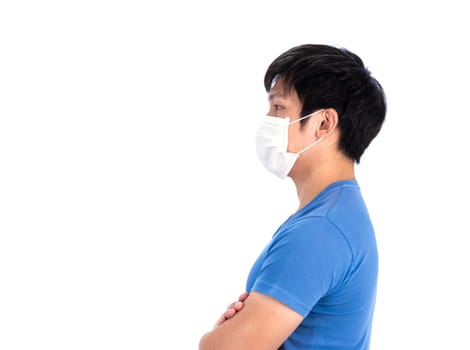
(264, 324)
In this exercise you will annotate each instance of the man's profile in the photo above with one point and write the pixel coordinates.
(314, 284)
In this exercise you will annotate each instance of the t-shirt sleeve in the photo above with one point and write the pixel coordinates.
(305, 261)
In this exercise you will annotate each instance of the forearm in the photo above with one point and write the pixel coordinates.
(224, 341)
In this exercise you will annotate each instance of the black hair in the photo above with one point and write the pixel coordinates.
(328, 77)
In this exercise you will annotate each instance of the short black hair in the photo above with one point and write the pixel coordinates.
(324, 76)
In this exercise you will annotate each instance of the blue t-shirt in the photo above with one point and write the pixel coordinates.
(322, 262)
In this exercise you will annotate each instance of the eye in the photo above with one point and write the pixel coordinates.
(277, 107)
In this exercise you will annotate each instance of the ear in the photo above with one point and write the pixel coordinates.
(328, 123)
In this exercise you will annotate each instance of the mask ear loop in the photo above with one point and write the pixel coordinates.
(306, 116)
(316, 141)
(311, 145)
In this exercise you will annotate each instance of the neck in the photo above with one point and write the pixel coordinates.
(314, 181)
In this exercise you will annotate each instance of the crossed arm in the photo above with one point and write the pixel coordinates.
(264, 324)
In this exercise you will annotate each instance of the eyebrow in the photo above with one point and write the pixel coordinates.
(273, 95)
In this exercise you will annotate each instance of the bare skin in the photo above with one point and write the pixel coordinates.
(232, 309)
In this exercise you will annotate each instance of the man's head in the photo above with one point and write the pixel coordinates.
(327, 77)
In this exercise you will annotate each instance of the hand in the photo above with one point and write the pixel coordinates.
(232, 310)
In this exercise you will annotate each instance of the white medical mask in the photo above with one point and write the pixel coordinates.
(272, 141)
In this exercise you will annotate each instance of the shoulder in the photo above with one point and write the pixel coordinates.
(309, 232)
(306, 259)
(312, 241)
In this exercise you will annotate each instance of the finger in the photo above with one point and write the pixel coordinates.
(225, 316)
(232, 305)
(243, 296)
(238, 306)
(229, 313)
(220, 321)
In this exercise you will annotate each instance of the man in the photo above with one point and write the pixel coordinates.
(314, 285)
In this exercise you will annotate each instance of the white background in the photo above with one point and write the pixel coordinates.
(132, 204)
